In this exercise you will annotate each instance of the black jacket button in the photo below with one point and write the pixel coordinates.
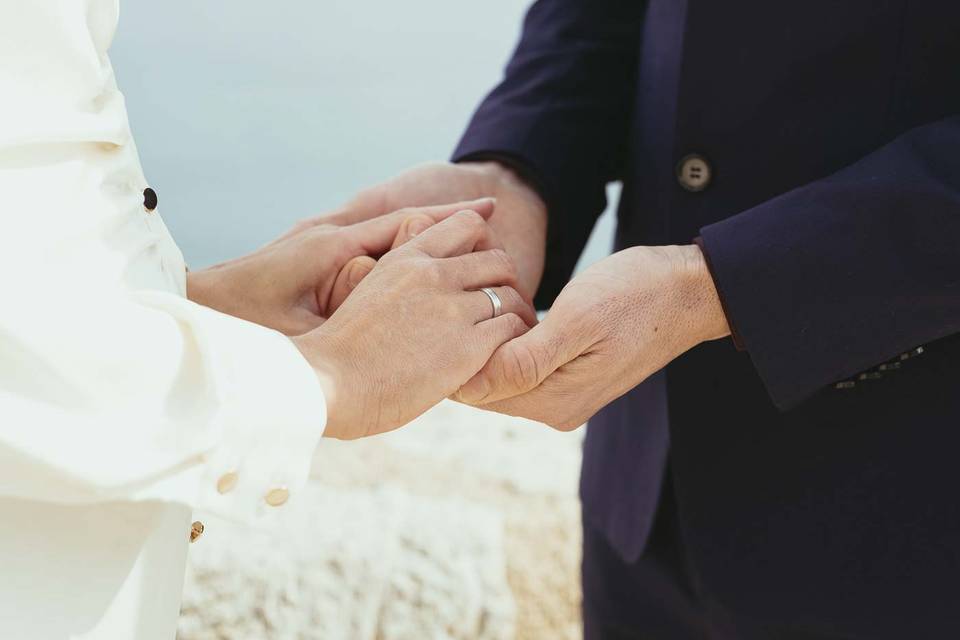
(149, 199)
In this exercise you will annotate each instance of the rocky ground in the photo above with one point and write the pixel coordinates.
(463, 526)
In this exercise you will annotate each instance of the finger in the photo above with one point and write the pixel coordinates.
(510, 302)
(521, 365)
(376, 236)
(464, 232)
(496, 332)
(347, 280)
(370, 203)
(411, 228)
(485, 269)
(560, 401)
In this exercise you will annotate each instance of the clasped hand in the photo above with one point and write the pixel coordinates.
(387, 307)
(617, 323)
(614, 325)
(388, 338)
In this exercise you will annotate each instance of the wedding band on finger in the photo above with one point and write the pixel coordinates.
(494, 300)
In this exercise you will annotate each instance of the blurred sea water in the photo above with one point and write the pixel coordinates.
(251, 115)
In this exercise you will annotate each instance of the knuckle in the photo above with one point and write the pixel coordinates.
(515, 324)
(320, 236)
(405, 268)
(403, 253)
(431, 271)
(417, 218)
(448, 311)
(321, 230)
(504, 262)
(512, 298)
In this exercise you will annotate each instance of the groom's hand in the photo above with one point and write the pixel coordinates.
(617, 323)
(520, 221)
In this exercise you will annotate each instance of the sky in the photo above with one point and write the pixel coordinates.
(250, 116)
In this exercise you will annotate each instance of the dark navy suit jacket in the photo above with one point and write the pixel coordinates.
(832, 225)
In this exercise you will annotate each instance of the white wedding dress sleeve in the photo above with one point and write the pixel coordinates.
(116, 392)
(112, 384)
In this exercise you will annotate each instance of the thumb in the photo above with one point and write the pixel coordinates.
(521, 365)
(347, 280)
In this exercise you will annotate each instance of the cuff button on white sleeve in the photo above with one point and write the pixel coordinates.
(227, 482)
(277, 496)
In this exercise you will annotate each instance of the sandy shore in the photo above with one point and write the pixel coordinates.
(463, 526)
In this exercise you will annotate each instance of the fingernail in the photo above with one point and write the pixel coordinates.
(482, 202)
(357, 273)
(474, 391)
(417, 227)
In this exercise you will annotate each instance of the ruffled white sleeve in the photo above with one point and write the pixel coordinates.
(113, 386)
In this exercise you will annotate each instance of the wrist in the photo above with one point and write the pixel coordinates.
(499, 176)
(492, 172)
(699, 295)
(522, 227)
(212, 287)
(324, 354)
(199, 287)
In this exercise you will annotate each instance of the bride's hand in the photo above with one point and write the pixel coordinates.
(296, 282)
(416, 328)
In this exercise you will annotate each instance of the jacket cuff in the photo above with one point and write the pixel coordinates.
(523, 169)
(568, 227)
(734, 334)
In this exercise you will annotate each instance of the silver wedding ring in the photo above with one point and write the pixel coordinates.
(494, 300)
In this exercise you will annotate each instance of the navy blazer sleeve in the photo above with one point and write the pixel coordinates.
(563, 112)
(837, 276)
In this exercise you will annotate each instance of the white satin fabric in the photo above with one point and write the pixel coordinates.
(121, 402)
